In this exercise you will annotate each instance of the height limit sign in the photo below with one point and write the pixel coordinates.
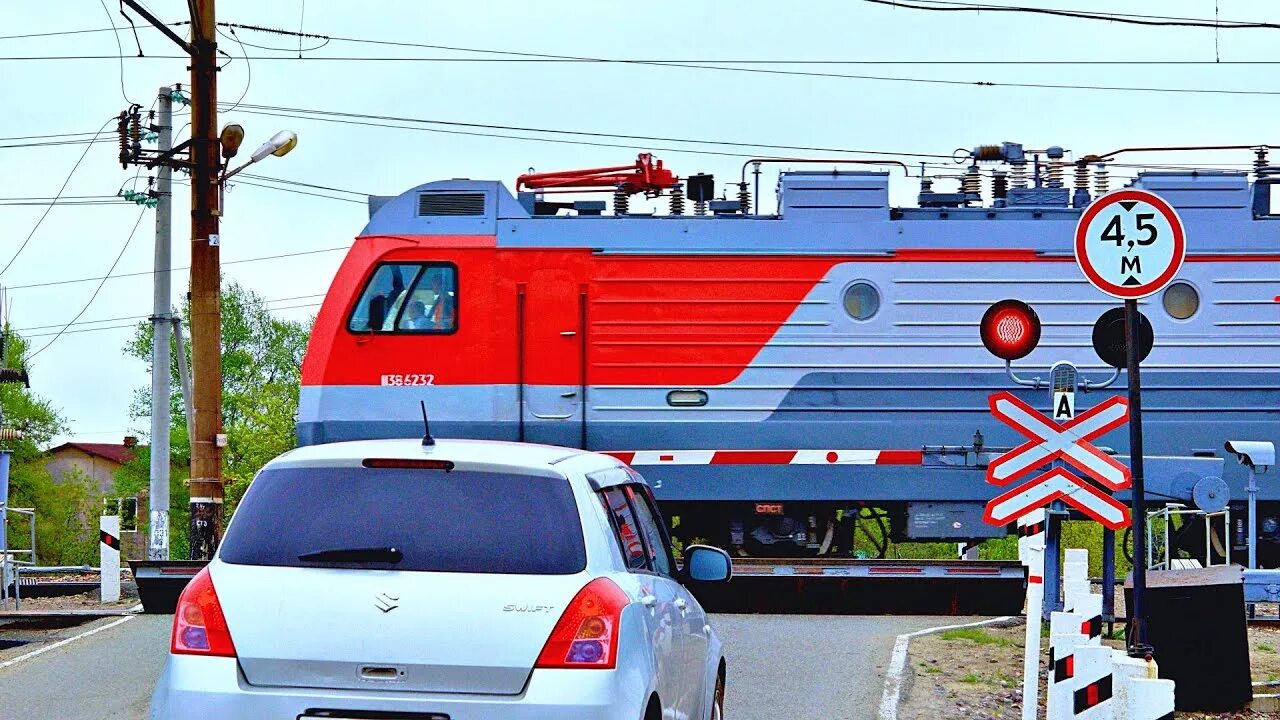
(1130, 243)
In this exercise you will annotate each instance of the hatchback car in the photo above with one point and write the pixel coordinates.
(457, 580)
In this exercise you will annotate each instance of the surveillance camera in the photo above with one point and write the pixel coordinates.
(1253, 453)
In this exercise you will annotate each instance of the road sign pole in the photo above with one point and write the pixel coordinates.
(1138, 614)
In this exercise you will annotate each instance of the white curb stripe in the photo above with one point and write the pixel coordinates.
(67, 641)
(898, 664)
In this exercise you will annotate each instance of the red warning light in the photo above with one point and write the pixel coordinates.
(1010, 329)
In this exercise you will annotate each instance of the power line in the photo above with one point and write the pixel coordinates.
(39, 222)
(52, 283)
(146, 317)
(1127, 18)
(350, 117)
(96, 290)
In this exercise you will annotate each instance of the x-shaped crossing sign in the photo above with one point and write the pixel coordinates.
(1069, 442)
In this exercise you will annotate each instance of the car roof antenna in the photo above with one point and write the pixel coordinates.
(427, 440)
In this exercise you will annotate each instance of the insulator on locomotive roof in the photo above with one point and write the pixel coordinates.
(1101, 180)
(971, 185)
(1018, 174)
(744, 198)
(999, 185)
(677, 199)
(1004, 152)
(1259, 160)
(621, 200)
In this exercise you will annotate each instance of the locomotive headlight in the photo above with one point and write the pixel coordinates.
(1010, 329)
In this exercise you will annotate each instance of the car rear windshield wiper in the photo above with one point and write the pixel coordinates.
(369, 554)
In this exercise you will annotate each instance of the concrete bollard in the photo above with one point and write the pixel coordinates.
(1064, 637)
(1089, 609)
(1094, 684)
(1147, 699)
(109, 557)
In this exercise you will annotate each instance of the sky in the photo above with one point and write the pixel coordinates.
(89, 379)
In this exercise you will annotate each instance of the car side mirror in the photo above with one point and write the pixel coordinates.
(703, 563)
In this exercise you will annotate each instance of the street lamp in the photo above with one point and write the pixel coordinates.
(279, 145)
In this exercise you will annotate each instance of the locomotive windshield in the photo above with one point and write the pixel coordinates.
(408, 298)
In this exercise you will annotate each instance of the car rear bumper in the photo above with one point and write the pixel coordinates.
(193, 687)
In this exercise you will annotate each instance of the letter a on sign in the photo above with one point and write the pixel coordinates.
(1064, 405)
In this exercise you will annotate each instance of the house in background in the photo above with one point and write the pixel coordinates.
(96, 461)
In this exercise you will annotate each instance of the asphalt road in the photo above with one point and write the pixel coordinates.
(812, 666)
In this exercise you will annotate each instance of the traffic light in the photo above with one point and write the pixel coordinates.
(1010, 329)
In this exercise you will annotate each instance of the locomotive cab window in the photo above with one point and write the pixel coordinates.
(408, 298)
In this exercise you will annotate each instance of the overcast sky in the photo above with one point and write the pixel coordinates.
(85, 373)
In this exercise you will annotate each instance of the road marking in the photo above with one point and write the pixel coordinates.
(898, 664)
(67, 641)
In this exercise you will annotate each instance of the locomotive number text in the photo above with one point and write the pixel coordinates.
(409, 379)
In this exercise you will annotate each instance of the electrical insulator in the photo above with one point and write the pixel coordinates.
(14, 375)
(971, 185)
(744, 198)
(1018, 174)
(677, 199)
(122, 133)
(11, 434)
(621, 200)
(1259, 160)
(1101, 181)
(1082, 175)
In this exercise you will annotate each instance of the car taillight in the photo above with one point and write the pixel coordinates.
(199, 627)
(587, 634)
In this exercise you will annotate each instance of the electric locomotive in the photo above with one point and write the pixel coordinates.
(777, 375)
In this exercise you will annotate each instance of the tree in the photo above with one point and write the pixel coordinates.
(66, 511)
(261, 367)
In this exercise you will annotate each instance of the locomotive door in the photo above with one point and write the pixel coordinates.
(552, 383)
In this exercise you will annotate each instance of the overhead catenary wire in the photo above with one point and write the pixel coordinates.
(1113, 17)
(96, 290)
(26, 241)
(145, 317)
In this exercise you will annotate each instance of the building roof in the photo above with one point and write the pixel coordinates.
(115, 452)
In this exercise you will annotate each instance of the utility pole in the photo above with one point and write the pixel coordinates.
(158, 499)
(206, 326)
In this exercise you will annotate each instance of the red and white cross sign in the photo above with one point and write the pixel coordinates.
(1069, 442)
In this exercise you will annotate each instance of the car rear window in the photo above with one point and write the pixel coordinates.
(456, 521)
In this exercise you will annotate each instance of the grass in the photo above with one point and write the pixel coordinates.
(1264, 648)
(977, 636)
(971, 679)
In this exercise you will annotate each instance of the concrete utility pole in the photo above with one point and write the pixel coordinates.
(206, 325)
(158, 499)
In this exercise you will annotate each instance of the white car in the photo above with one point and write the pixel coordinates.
(403, 580)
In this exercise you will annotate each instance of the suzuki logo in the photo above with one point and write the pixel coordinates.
(385, 602)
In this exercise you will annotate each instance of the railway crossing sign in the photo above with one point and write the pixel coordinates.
(1068, 442)
(1130, 243)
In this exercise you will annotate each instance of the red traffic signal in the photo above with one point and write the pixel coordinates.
(1010, 329)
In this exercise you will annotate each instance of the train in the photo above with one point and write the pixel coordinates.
(780, 376)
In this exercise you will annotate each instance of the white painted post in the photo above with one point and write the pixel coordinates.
(109, 557)
(1031, 529)
(1034, 560)
(1089, 610)
(1064, 637)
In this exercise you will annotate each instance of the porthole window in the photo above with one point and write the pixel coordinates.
(1181, 300)
(861, 300)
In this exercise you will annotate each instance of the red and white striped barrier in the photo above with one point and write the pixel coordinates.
(1064, 638)
(831, 456)
(1031, 529)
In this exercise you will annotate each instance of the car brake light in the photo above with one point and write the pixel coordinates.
(199, 627)
(587, 634)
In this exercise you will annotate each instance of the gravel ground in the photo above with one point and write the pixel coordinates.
(978, 676)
